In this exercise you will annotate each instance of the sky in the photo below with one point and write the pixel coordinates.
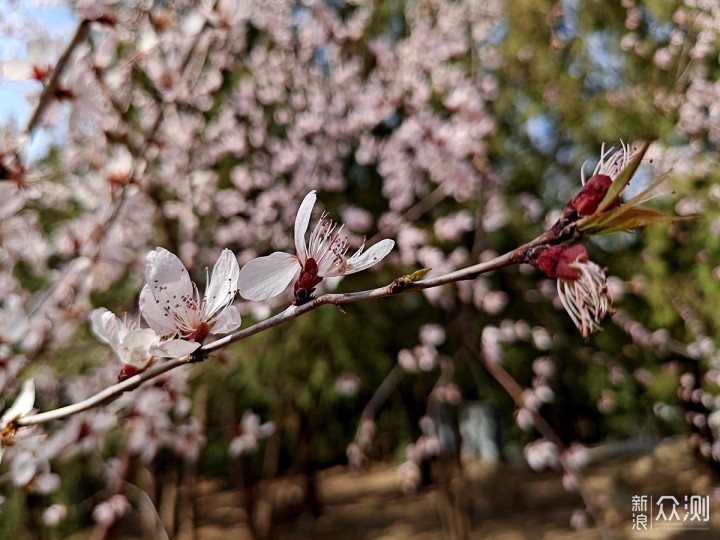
(14, 105)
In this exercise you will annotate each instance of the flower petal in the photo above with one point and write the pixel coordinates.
(23, 404)
(175, 348)
(24, 468)
(135, 348)
(221, 288)
(228, 321)
(167, 277)
(156, 317)
(265, 277)
(301, 224)
(16, 70)
(365, 259)
(103, 325)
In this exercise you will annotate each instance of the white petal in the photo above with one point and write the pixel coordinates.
(155, 315)
(39, 50)
(265, 277)
(167, 276)
(23, 469)
(223, 283)
(23, 404)
(16, 70)
(228, 321)
(301, 224)
(175, 348)
(135, 348)
(365, 259)
(103, 325)
(107, 327)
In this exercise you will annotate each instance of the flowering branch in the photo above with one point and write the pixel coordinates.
(581, 284)
(95, 242)
(399, 286)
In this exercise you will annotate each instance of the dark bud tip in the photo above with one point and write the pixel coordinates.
(198, 355)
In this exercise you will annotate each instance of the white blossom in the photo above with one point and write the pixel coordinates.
(132, 344)
(323, 256)
(171, 303)
(22, 406)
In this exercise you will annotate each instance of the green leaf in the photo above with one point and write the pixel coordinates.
(623, 179)
(417, 275)
(631, 218)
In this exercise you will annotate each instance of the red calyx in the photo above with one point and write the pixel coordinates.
(201, 333)
(128, 371)
(591, 195)
(306, 282)
(556, 261)
(40, 73)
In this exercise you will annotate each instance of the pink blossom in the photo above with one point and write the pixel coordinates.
(171, 304)
(108, 511)
(323, 256)
(132, 344)
(250, 431)
(22, 406)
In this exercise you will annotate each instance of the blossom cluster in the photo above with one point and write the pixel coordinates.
(179, 320)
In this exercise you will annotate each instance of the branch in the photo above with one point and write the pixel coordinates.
(383, 392)
(106, 396)
(516, 393)
(95, 243)
(642, 336)
(49, 90)
(399, 286)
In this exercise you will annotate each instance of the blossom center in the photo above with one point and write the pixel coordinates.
(306, 282)
(327, 248)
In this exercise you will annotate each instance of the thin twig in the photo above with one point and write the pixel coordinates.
(105, 396)
(643, 337)
(94, 250)
(48, 92)
(514, 390)
(383, 392)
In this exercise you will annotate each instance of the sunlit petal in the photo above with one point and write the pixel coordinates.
(365, 259)
(23, 404)
(223, 284)
(134, 349)
(301, 224)
(265, 277)
(175, 348)
(167, 276)
(104, 325)
(156, 317)
(228, 321)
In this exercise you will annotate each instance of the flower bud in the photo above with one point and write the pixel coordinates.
(557, 261)
(591, 195)
(582, 284)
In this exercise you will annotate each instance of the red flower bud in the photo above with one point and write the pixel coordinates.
(128, 371)
(591, 195)
(556, 261)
